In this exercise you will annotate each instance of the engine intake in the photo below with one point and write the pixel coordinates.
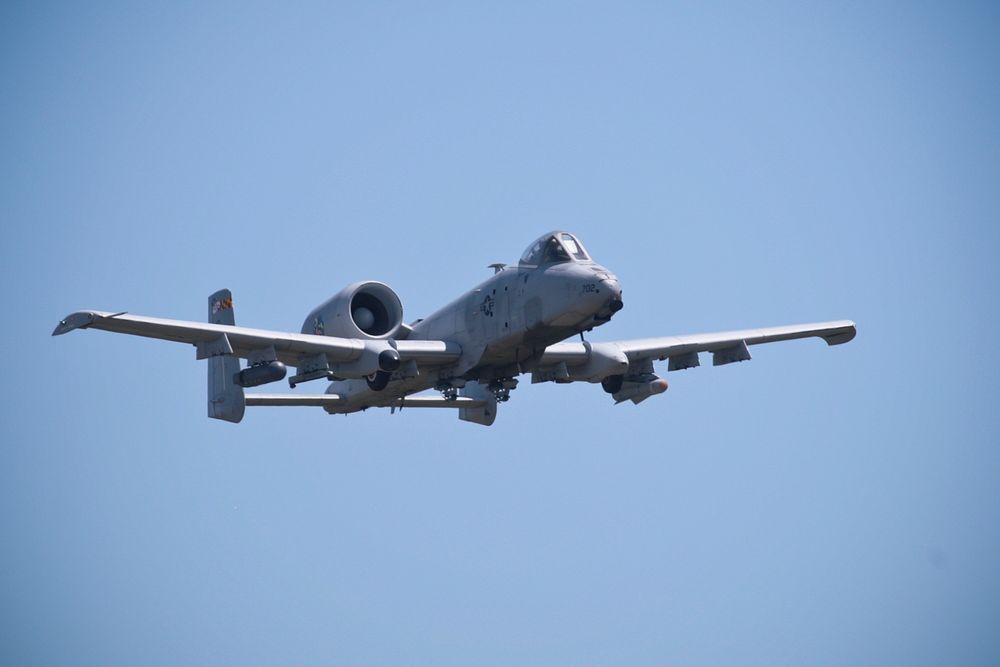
(369, 310)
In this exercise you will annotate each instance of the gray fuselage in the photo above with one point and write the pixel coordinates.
(503, 326)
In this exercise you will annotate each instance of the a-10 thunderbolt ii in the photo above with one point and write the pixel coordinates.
(471, 350)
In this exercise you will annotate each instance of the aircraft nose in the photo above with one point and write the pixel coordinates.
(611, 286)
(608, 297)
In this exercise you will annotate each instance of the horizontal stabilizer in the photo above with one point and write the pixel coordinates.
(438, 402)
(320, 400)
(335, 400)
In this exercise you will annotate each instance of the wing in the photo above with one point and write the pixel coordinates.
(729, 346)
(289, 348)
(593, 359)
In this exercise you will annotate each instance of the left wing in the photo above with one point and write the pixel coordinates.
(729, 346)
(632, 360)
(725, 346)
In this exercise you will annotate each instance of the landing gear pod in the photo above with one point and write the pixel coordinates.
(388, 360)
(378, 381)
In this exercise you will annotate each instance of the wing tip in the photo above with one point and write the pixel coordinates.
(843, 333)
(78, 320)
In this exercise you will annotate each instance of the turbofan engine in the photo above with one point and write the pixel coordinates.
(369, 310)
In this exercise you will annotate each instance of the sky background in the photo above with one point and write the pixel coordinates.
(735, 166)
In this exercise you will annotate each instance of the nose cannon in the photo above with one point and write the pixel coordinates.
(611, 303)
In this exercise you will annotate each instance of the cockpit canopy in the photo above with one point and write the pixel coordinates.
(555, 248)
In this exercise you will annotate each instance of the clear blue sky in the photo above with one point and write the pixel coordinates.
(736, 167)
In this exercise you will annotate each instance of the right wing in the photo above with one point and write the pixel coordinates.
(289, 348)
(220, 341)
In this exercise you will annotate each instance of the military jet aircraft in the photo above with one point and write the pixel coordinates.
(471, 351)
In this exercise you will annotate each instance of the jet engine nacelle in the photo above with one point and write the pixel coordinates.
(369, 310)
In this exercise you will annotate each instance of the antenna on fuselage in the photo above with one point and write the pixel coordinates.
(498, 267)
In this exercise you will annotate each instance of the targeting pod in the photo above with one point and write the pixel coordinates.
(254, 376)
(637, 392)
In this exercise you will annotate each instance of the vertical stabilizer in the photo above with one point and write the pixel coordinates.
(225, 397)
(482, 415)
